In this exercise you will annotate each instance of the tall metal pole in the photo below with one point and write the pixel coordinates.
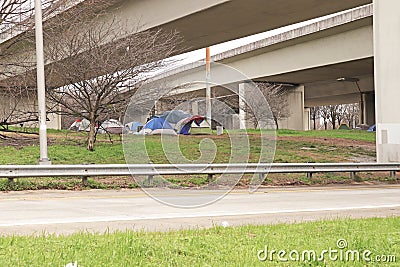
(362, 106)
(44, 159)
(208, 87)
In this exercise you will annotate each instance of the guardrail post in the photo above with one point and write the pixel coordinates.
(309, 175)
(392, 174)
(150, 179)
(261, 176)
(210, 178)
(84, 180)
(11, 181)
(353, 175)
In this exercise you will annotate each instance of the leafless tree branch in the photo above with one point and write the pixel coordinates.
(124, 59)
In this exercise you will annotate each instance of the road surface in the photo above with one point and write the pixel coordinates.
(65, 212)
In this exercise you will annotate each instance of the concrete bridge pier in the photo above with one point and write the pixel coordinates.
(368, 109)
(298, 118)
(243, 123)
(387, 79)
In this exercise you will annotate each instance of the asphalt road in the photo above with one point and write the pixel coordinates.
(64, 212)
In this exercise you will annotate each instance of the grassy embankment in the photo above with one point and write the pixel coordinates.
(292, 146)
(218, 246)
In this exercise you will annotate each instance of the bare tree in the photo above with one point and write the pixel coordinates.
(16, 50)
(277, 98)
(351, 114)
(17, 34)
(182, 101)
(125, 59)
(315, 114)
(19, 12)
(333, 114)
(18, 106)
(325, 115)
(340, 114)
(336, 114)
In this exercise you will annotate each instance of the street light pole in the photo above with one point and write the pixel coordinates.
(208, 87)
(362, 119)
(41, 89)
(356, 80)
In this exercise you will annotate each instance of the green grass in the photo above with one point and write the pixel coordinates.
(68, 148)
(55, 183)
(296, 151)
(106, 153)
(218, 246)
(346, 134)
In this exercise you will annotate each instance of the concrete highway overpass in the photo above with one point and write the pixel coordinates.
(300, 57)
(208, 22)
(203, 23)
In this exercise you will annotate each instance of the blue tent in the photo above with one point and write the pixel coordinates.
(187, 124)
(174, 116)
(372, 128)
(157, 123)
(185, 129)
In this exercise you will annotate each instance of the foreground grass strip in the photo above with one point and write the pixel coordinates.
(240, 246)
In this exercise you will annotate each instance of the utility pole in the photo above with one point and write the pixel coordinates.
(44, 159)
(208, 87)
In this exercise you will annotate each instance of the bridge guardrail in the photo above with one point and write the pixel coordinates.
(150, 170)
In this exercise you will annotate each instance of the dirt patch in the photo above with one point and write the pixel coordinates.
(19, 140)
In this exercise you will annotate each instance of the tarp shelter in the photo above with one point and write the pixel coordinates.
(344, 126)
(157, 123)
(186, 124)
(174, 116)
(157, 126)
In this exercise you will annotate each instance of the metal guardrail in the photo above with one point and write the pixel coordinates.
(150, 170)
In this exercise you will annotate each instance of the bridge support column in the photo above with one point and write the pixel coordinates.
(387, 79)
(195, 107)
(298, 116)
(242, 106)
(368, 109)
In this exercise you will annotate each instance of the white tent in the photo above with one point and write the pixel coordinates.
(80, 125)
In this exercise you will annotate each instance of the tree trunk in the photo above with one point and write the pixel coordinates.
(315, 127)
(91, 137)
(276, 122)
(255, 124)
